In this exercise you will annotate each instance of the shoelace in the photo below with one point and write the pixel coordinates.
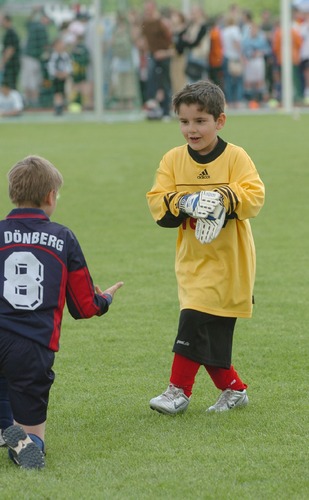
(224, 397)
(170, 393)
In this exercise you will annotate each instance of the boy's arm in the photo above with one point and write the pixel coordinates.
(163, 199)
(83, 299)
(109, 293)
(245, 194)
(170, 208)
(166, 215)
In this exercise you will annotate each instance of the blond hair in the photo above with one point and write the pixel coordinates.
(32, 179)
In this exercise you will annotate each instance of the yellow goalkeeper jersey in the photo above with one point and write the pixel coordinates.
(216, 278)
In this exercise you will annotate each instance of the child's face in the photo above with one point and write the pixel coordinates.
(5, 90)
(59, 46)
(199, 128)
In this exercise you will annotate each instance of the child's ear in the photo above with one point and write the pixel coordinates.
(221, 121)
(50, 198)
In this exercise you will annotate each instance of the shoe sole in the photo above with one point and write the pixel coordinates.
(165, 412)
(25, 452)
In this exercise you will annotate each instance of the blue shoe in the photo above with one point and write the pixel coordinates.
(23, 451)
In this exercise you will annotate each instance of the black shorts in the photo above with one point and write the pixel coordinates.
(10, 75)
(59, 86)
(205, 338)
(27, 366)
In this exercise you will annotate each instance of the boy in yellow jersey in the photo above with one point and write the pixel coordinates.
(209, 189)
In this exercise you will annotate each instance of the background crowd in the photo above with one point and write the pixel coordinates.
(148, 55)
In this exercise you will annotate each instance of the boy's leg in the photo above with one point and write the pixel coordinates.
(6, 416)
(226, 378)
(30, 376)
(233, 389)
(183, 373)
(177, 396)
(35, 430)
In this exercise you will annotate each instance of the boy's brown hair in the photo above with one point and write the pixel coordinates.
(32, 179)
(207, 95)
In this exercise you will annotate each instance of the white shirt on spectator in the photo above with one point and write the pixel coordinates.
(10, 102)
(231, 38)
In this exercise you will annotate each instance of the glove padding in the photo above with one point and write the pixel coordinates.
(200, 204)
(207, 229)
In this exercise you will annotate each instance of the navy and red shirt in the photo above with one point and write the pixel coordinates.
(42, 266)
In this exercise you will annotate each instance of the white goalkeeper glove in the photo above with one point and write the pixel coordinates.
(206, 230)
(200, 204)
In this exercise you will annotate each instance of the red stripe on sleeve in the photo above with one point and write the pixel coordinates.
(58, 313)
(82, 295)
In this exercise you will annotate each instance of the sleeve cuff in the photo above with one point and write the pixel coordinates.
(108, 297)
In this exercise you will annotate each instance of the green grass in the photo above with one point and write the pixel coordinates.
(103, 441)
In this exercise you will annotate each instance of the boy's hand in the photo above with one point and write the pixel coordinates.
(201, 204)
(109, 292)
(206, 230)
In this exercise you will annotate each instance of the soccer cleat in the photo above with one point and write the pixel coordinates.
(171, 402)
(23, 450)
(2, 442)
(230, 399)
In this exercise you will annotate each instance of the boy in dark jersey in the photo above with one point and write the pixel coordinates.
(209, 189)
(41, 267)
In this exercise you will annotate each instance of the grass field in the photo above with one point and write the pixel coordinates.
(103, 441)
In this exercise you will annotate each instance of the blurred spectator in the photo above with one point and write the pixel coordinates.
(60, 68)
(33, 55)
(246, 21)
(255, 47)
(296, 54)
(77, 27)
(11, 103)
(178, 61)
(108, 23)
(196, 41)
(215, 71)
(140, 53)
(158, 36)
(89, 40)
(67, 36)
(123, 88)
(267, 26)
(80, 56)
(304, 57)
(233, 62)
(141, 63)
(79, 88)
(10, 60)
(234, 12)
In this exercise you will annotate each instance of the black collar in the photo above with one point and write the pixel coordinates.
(217, 151)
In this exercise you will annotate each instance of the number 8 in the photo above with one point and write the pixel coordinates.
(23, 273)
